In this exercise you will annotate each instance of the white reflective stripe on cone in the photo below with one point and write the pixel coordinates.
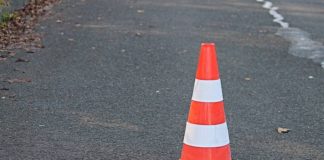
(206, 135)
(207, 91)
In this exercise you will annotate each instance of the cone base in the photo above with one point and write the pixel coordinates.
(198, 153)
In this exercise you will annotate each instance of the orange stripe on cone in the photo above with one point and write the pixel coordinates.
(206, 113)
(206, 136)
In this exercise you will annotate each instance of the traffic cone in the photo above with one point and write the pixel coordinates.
(206, 136)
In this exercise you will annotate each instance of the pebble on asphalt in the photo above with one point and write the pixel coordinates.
(283, 130)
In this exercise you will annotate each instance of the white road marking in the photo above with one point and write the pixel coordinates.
(267, 5)
(301, 43)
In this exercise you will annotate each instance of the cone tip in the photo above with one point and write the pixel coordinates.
(207, 44)
(207, 63)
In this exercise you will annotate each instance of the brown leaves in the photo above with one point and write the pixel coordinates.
(17, 32)
(22, 60)
(283, 130)
(2, 59)
(19, 80)
(11, 54)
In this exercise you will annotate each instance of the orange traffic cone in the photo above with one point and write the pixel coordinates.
(206, 136)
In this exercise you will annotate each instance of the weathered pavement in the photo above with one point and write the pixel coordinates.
(116, 77)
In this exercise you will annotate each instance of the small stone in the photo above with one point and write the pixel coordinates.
(281, 130)
(310, 77)
(247, 78)
(138, 34)
(59, 21)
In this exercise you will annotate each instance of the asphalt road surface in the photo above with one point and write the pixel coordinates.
(115, 79)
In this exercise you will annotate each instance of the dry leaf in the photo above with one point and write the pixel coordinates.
(29, 51)
(12, 96)
(282, 130)
(19, 70)
(11, 54)
(22, 80)
(2, 59)
(22, 60)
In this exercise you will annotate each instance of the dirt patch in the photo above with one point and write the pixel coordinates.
(87, 120)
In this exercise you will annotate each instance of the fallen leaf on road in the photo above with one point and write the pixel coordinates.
(12, 96)
(40, 46)
(282, 130)
(17, 80)
(19, 70)
(30, 51)
(22, 60)
(12, 54)
(2, 59)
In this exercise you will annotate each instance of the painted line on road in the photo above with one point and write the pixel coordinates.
(301, 43)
